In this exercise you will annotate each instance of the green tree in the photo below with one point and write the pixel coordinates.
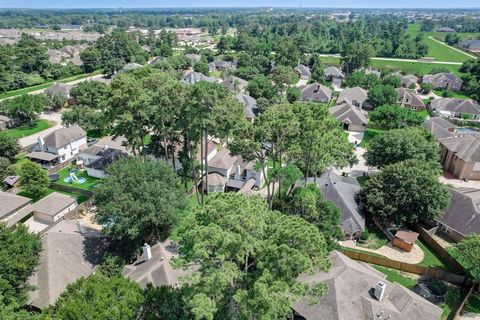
(31, 54)
(395, 117)
(8, 147)
(467, 252)
(401, 144)
(34, 179)
(138, 200)
(382, 94)
(284, 76)
(55, 101)
(452, 38)
(392, 80)
(86, 117)
(426, 87)
(89, 93)
(6, 168)
(293, 94)
(287, 53)
(25, 107)
(261, 87)
(308, 202)
(249, 259)
(98, 297)
(318, 73)
(405, 192)
(166, 303)
(356, 55)
(19, 256)
(202, 66)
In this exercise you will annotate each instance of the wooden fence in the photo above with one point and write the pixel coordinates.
(407, 267)
(439, 250)
(69, 189)
(458, 309)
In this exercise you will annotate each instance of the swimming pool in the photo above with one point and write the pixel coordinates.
(466, 130)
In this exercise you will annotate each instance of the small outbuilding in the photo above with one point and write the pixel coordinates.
(53, 207)
(405, 240)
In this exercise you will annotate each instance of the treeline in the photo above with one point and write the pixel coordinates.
(26, 64)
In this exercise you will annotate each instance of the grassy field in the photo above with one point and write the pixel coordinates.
(455, 94)
(27, 130)
(397, 276)
(370, 133)
(46, 85)
(405, 66)
(89, 184)
(376, 238)
(437, 50)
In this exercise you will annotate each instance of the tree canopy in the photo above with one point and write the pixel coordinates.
(467, 252)
(382, 94)
(249, 258)
(395, 117)
(401, 144)
(405, 192)
(138, 200)
(8, 147)
(34, 179)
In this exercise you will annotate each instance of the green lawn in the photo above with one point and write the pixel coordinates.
(473, 304)
(406, 66)
(396, 276)
(437, 50)
(89, 184)
(430, 258)
(455, 94)
(27, 130)
(369, 134)
(96, 133)
(376, 238)
(423, 113)
(46, 85)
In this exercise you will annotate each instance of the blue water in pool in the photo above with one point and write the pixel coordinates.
(466, 130)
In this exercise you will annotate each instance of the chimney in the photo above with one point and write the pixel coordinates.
(41, 143)
(147, 252)
(380, 290)
(238, 170)
(80, 227)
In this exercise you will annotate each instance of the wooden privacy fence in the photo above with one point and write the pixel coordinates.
(439, 250)
(407, 267)
(456, 315)
(69, 189)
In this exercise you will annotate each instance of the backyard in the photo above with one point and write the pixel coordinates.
(28, 130)
(454, 94)
(89, 184)
(78, 197)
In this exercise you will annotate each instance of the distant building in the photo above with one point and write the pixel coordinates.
(356, 96)
(470, 45)
(235, 84)
(191, 77)
(444, 81)
(445, 29)
(352, 117)
(456, 108)
(334, 74)
(303, 72)
(409, 99)
(249, 105)
(315, 93)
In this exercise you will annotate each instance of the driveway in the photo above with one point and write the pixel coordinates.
(448, 178)
(51, 116)
(359, 169)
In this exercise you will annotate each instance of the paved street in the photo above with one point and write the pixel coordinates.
(51, 116)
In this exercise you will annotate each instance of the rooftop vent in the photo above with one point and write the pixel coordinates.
(380, 290)
(147, 252)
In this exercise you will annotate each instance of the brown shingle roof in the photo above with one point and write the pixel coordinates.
(64, 136)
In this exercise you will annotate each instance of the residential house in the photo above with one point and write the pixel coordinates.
(343, 191)
(63, 90)
(53, 207)
(229, 172)
(460, 155)
(59, 146)
(10, 182)
(249, 105)
(97, 157)
(334, 75)
(315, 92)
(439, 127)
(358, 291)
(409, 99)
(220, 65)
(70, 250)
(408, 80)
(13, 208)
(352, 117)
(444, 81)
(6, 122)
(235, 84)
(462, 217)
(303, 72)
(194, 58)
(445, 29)
(153, 266)
(356, 96)
(471, 45)
(456, 108)
(191, 77)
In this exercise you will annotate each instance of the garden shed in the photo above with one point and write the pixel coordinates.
(405, 239)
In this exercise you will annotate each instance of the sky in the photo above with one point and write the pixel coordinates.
(242, 3)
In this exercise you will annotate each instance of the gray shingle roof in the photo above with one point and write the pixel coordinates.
(66, 256)
(303, 70)
(52, 204)
(439, 127)
(438, 79)
(333, 72)
(409, 98)
(352, 94)
(465, 147)
(463, 214)
(59, 88)
(234, 83)
(349, 295)
(455, 105)
(158, 271)
(223, 160)
(250, 104)
(315, 92)
(470, 44)
(64, 136)
(346, 113)
(108, 156)
(192, 77)
(11, 202)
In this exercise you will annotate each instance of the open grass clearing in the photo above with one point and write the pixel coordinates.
(454, 94)
(28, 130)
(376, 238)
(403, 278)
(369, 134)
